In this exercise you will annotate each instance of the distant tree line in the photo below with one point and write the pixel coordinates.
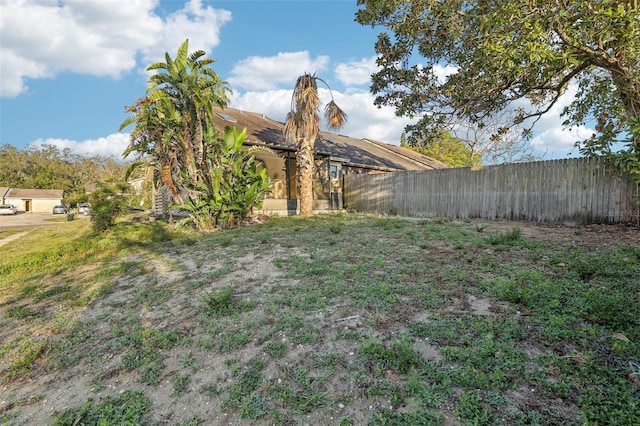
(48, 167)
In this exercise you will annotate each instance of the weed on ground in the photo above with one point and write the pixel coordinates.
(337, 319)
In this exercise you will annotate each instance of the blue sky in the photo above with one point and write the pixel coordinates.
(69, 67)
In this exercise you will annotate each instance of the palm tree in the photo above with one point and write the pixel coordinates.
(174, 133)
(174, 117)
(152, 140)
(302, 127)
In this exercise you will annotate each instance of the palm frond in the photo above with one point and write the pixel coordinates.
(127, 122)
(196, 54)
(181, 56)
(133, 167)
(202, 63)
(170, 64)
(157, 66)
(291, 127)
(335, 116)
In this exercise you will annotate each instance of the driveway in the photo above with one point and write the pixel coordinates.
(29, 220)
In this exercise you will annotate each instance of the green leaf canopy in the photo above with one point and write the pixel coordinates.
(521, 55)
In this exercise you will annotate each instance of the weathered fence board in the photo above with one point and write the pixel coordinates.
(579, 190)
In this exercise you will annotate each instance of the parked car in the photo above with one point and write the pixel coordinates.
(8, 209)
(83, 208)
(59, 209)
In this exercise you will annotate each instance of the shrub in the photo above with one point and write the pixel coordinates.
(238, 186)
(107, 203)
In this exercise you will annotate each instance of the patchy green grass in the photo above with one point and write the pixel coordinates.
(336, 319)
(127, 408)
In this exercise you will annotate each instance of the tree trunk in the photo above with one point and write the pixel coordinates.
(306, 168)
(629, 90)
(166, 174)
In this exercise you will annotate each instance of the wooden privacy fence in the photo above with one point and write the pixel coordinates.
(571, 191)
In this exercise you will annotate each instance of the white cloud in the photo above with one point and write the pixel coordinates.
(551, 136)
(201, 25)
(13, 70)
(444, 71)
(359, 72)
(274, 104)
(109, 146)
(102, 38)
(356, 72)
(558, 140)
(365, 120)
(269, 72)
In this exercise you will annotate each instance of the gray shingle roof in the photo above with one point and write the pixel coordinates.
(53, 194)
(365, 153)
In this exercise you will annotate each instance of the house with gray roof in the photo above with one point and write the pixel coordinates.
(336, 155)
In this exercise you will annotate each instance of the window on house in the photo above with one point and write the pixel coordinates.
(333, 171)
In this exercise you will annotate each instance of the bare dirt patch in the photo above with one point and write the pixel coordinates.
(594, 235)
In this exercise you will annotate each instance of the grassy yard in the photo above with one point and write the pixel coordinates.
(333, 320)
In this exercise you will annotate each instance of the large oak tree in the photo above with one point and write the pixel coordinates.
(519, 55)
